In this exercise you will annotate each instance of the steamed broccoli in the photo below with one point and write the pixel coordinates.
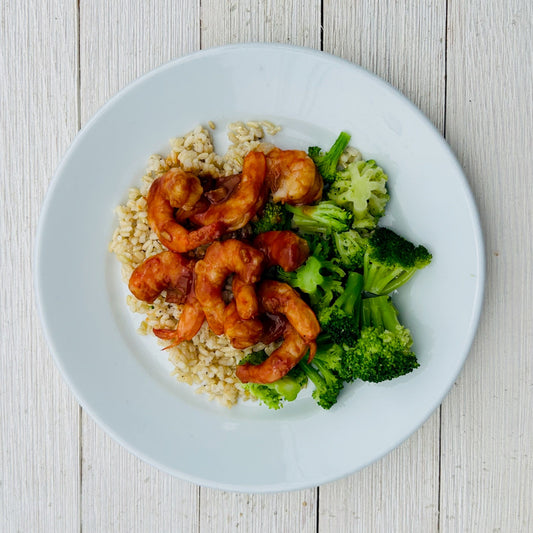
(340, 321)
(350, 247)
(327, 163)
(390, 261)
(318, 277)
(273, 395)
(361, 188)
(324, 217)
(383, 350)
(324, 372)
(274, 216)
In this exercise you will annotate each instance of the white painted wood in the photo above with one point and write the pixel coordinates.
(39, 480)
(403, 42)
(226, 512)
(280, 21)
(487, 421)
(119, 41)
(487, 428)
(291, 21)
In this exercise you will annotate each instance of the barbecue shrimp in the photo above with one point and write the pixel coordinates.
(299, 333)
(245, 199)
(283, 248)
(173, 273)
(220, 261)
(166, 271)
(178, 189)
(291, 351)
(293, 177)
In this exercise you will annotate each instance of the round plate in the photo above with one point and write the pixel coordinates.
(123, 380)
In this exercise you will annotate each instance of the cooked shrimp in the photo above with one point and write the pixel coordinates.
(168, 271)
(293, 177)
(244, 201)
(280, 361)
(191, 319)
(279, 298)
(245, 298)
(173, 190)
(182, 189)
(283, 248)
(221, 260)
(241, 333)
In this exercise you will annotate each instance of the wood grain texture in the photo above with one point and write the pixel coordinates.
(265, 21)
(276, 21)
(226, 512)
(487, 422)
(60, 472)
(404, 43)
(39, 480)
(120, 41)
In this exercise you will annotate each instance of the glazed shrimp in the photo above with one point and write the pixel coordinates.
(244, 201)
(220, 261)
(293, 177)
(241, 333)
(245, 298)
(191, 319)
(276, 297)
(283, 248)
(280, 361)
(174, 189)
(168, 271)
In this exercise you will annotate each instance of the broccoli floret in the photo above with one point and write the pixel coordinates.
(319, 245)
(383, 350)
(362, 189)
(318, 277)
(324, 372)
(274, 395)
(350, 247)
(390, 261)
(327, 163)
(324, 217)
(340, 321)
(274, 216)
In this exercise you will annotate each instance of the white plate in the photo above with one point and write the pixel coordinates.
(123, 380)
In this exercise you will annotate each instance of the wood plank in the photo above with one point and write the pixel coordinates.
(277, 21)
(39, 481)
(226, 512)
(487, 427)
(404, 43)
(119, 42)
(266, 21)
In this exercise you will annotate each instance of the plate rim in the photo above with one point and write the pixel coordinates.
(477, 303)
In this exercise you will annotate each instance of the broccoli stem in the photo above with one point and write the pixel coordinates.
(349, 299)
(380, 313)
(380, 283)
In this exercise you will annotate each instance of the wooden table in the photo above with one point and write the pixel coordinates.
(468, 65)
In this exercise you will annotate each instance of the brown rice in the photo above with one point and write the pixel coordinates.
(207, 361)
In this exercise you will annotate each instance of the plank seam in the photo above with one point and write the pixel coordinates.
(439, 489)
(78, 124)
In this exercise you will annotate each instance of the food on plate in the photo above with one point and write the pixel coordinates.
(263, 271)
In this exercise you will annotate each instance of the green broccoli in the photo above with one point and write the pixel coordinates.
(383, 350)
(274, 216)
(317, 277)
(327, 163)
(324, 371)
(350, 247)
(340, 322)
(362, 189)
(390, 261)
(324, 217)
(273, 395)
